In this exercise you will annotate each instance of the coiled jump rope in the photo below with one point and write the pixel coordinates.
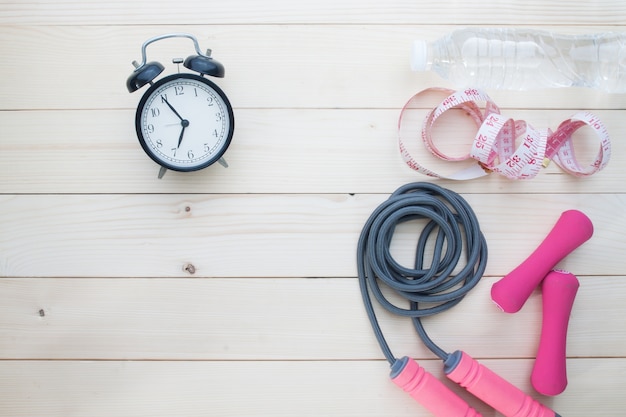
(453, 231)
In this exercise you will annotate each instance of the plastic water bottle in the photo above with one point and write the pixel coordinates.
(524, 59)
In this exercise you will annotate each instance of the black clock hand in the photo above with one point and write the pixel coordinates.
(172, 108)
(185, 124)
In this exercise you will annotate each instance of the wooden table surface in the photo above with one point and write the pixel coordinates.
(233, 291)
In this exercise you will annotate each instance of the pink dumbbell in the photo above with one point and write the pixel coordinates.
(571, 230)
(549, 376)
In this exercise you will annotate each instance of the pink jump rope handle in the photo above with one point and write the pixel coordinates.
(428, 390)
(549, 376)
(571, 230)
(492, 389)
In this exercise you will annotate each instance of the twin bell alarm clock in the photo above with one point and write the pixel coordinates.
(184, 122)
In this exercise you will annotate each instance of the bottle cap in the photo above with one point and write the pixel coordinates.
(419, 56)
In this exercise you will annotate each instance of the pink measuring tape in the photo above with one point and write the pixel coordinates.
(495, 145)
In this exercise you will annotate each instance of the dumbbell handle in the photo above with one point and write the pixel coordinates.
(492, 389)
(427, 390)
(549, 375)
(571, 230)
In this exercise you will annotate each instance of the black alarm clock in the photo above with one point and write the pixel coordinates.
(184, 121)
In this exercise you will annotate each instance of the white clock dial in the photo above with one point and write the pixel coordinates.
(184, 122)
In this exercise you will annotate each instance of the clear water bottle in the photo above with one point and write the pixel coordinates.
(524, 59)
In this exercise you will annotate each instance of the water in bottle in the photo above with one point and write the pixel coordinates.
(524, 59)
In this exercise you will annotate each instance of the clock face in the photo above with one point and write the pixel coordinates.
(184, 122)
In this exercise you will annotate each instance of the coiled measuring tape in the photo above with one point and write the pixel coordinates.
(494, 146)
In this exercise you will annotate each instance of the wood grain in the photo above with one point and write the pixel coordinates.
(414, 12)
(276, 319)
(273, 151)
(266, 235)
(334, 388)
(267, 66)
(233, 292)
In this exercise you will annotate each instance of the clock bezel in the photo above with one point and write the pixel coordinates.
(139, 128)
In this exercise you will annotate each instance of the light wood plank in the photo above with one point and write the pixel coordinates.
(99, 312)
(273, 151)
(341, 389)
(277, 319)
(312, 12)
(352, 66)
(267, 235)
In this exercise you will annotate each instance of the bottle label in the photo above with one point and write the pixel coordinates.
(494, 145)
